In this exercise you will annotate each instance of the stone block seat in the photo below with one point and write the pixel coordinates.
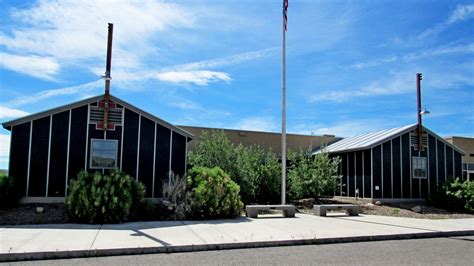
(321, 210)
(252, 210)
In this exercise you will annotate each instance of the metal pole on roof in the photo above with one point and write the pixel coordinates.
(419, 77)
(107, 76)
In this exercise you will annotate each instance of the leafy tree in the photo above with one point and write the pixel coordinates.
(213, 149)
(269, 182)
(311, 176)
(256, 172)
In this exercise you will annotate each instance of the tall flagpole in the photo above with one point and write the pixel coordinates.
(283, 104)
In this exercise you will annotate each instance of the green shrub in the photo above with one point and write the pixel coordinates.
(212, 193)
(269, 180)
(8, 195)
(311, 176)
(455, 195)
(97, 198)
(256, 172)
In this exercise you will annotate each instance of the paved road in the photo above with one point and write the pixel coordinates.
(434, 251)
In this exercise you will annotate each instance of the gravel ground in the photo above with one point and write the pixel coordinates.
(392, 209)
(26, 214)
(56, 213)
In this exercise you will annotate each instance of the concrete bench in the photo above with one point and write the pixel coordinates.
(252, 210)
(321, 210)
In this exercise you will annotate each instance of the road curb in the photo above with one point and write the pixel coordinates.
(9, 257)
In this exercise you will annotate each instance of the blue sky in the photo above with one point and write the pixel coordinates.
(351, 65)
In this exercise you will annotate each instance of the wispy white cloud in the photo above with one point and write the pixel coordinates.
(197, 73)
(46, 94)
(191, 73)
(224, 61)
(440, 51)
(185, 104)
(257, 123)
(347, 128)
(201, 78)
(461, 13)
(398, 83)
(221, 120)
(373, 63)
(6, 112)
(403, 81)
(36, 66)
(73, 31)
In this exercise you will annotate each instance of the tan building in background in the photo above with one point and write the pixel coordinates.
(467, 145)
(266, 140)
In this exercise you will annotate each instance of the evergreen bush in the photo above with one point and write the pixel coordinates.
(212, 193)
(98, 198)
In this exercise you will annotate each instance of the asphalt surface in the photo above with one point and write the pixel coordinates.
(432, 251)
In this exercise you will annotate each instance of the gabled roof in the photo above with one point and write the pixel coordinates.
(372, 139)
(7, 125)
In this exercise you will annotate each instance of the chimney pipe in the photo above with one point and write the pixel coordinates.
(107, 76)
(419, 77)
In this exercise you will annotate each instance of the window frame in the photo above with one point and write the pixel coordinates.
(91, 154)
(413, 167)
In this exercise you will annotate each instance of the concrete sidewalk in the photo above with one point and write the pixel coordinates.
(71, 240)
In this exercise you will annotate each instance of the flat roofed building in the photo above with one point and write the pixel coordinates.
(266, 140)
(467, 145)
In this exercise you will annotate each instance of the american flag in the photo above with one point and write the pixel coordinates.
(285, 13)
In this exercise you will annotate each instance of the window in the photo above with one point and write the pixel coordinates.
(467, 171)
(419, 167)
(103, 154)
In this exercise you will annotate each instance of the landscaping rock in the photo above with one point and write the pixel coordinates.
(307, 203)
(39, 209)
(417, 209)
(378, 203)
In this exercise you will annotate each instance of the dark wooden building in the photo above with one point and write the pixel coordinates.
(386, 165)
(49, 148)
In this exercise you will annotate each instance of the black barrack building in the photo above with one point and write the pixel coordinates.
(386, 165)
(50, 148)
